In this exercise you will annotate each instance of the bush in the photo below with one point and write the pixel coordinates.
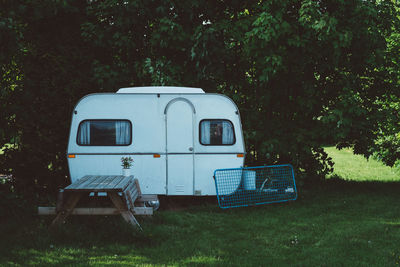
(302, 73)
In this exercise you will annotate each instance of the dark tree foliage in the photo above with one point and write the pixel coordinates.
(387, 144)
(303, 73)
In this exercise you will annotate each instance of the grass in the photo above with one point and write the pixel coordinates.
(357, 168)
(336, 223)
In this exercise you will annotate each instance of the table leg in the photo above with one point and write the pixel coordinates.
(66, 209)
(120, 205)
(60, 200)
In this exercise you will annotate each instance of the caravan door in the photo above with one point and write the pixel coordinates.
(180, 155)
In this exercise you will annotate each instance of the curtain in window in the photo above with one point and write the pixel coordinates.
(205, 132)
(122, 133)
(227, 133)
(84, 133)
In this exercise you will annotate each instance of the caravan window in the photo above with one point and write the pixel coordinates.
(217, 132)
(105, 133)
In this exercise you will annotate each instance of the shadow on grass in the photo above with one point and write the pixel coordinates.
(335, 182)
(334, 222)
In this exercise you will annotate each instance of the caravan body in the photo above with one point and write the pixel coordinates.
(176, 136)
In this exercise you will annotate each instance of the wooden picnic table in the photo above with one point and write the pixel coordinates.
(122, 190)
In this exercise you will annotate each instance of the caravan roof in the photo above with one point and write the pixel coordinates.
(160, 90)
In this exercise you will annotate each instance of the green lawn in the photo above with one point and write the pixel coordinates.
(357, 168)
(336, 223)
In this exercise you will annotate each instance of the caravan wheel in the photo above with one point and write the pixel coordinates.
(155, 204)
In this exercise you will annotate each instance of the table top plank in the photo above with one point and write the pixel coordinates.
(124, 182)
(110, 184)
(100, 183)
(92, 179)
(78, 182)
(115, 181)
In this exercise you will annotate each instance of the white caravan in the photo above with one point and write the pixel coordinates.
(176, 136)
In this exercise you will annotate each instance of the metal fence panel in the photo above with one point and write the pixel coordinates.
(255, 185)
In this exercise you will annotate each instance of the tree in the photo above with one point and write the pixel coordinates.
(319, 70)
(303, 73)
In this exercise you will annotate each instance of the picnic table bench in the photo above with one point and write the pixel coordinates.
(123, 191)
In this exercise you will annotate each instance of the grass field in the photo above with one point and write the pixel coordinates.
(357, 168)
(336, 223)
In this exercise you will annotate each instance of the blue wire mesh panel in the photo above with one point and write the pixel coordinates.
(255, 185)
